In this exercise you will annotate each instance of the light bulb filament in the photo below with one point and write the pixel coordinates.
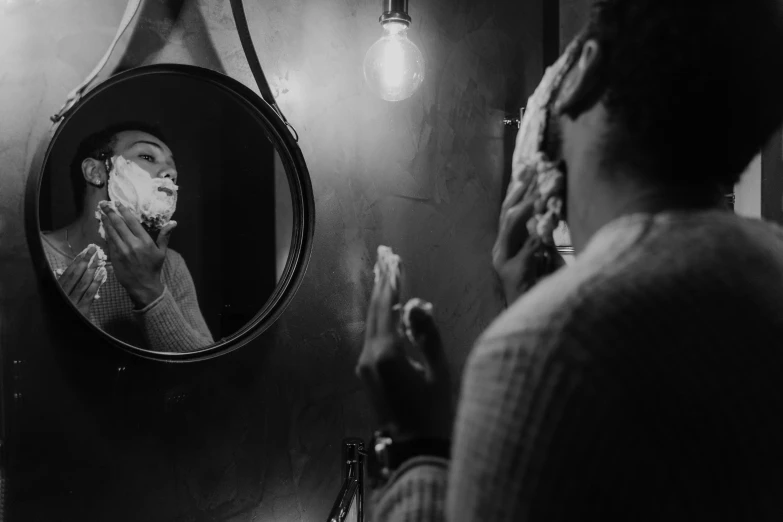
(394, 66)
(394, 63)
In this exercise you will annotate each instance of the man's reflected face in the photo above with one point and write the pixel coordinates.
(148, 152)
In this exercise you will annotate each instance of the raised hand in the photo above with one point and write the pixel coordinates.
(136, 258)
(411, 400)
(82, 280)
(521, 259)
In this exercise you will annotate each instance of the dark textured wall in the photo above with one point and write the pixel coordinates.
(255, 435)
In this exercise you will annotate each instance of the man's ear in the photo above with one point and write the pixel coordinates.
(581, 87)
(94, 172)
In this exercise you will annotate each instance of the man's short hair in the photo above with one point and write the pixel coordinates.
(100, 146)
(694, 86)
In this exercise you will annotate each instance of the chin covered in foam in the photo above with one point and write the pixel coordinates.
(141, 194)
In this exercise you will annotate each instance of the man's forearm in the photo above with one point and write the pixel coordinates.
(166, 328)
(143, 297)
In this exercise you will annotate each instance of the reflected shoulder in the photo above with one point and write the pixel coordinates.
(175, 262)
(54, 239)
(174, 257)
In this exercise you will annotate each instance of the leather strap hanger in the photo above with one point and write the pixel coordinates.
(75, 95)
(255, 65)
(244, 37)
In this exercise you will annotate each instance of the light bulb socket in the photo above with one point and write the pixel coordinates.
(395, 11)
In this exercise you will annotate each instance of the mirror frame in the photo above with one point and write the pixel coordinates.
(303, 203)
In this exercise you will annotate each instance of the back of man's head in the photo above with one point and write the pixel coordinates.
(694, 88)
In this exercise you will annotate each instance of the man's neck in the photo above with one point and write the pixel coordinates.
(608, 201)
(83, 232)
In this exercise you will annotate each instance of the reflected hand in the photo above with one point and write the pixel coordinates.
(518, 256)
(136, 258)
(82, 280)
(410, 399)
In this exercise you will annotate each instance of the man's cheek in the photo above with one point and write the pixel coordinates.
(148, 171)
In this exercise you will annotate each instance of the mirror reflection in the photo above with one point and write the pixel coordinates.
(166, 213)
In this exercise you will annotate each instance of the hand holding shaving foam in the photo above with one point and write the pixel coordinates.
(389, 262)
(136, 258)
(83, 278)
(520, 257)
(152, 201)
(411, 399)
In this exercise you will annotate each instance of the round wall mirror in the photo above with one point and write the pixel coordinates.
(168, 144)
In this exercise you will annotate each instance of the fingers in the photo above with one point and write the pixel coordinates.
(515, 194)
(75, 271)
(86, 280)
(380, 330)
(512, 232)
(528, 261)
(381, 312)
(558, 260)
(426, 337)
(165, 235)
(133, 224)
(115, 241)
(553, 260)
(116, 227)
(386, 312)
(522, 186)
(529, 248)
(92, 289)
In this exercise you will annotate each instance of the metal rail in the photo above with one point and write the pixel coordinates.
(352, 489)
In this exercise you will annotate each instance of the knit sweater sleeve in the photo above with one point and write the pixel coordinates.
(173, 322)
(544, 433)
(415, 493)
(540, 435)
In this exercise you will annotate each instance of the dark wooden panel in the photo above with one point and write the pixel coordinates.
(772, 179)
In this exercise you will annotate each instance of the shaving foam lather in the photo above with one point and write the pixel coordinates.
(532, 171)
(152, 201)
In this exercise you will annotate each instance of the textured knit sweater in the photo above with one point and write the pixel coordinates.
(643, 382)
(171, 323)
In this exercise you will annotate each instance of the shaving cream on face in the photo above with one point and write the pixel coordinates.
(140, 193)
(531, 168)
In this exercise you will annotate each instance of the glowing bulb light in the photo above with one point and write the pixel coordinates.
(394, 66)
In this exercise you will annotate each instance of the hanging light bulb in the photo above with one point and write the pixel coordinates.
(394, 66)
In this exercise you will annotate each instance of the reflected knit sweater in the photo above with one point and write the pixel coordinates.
(171, 323)
(644, 382)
